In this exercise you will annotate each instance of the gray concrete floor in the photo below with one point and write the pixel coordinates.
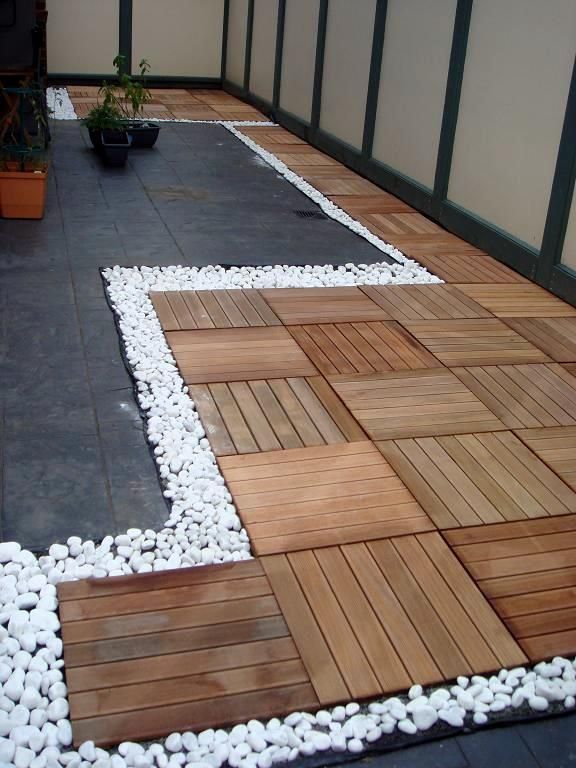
(73, 458)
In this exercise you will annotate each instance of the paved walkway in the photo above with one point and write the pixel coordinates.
(73, 459)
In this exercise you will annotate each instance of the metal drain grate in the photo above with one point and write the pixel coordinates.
(310, 215)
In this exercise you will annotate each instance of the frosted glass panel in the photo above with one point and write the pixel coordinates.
(180, 38)
(236, 52)
(299, 56)
(347, 68)
(417, 46)
(263, 48)
(516, 79)
(82, 36)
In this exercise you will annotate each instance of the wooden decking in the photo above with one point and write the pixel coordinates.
(403, 459)
(175, 104)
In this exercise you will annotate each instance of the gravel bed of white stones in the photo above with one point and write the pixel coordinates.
(60, 106)
(203, 527)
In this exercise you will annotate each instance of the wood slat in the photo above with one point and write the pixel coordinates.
(300, 306)
(269, 415)
(528, 572)
(413, 404)
(474, 342)
(294, 500)
(556, 446)
(526, 300)
(424, 302)
(465, 480)
(556, 336)
(165, 642)
(239, 354)
(362, 348)
(524, 395)
(456, 266)
(212, 309)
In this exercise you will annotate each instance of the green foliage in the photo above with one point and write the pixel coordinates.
(132, 94)
(105, 116)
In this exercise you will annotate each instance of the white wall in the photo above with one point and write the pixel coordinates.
(263, 48)
(178, 37)
(349, 32)
(518, 67)
(415, 61)
(236, 51)
(82, 36)
(299, 56)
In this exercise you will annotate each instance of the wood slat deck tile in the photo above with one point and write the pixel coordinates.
(362, 204)
(571, 368)
(400, 223)
(424, 302)
(237, 354)
(524, 395)
(300, 306)
(455, 267)
(371, 618)
(557, 447)
(527, 300)
(191, 310)
(528, 572)
(238, 647)
(486, 341)
(245, 417)
(319, 497)
(413, 403)
(362, 347)
(466, 480)
(556, 336)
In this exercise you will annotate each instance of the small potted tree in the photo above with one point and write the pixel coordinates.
(107, 129)
(133, 95)
(23, 158)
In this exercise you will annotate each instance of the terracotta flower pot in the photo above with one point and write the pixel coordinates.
(23, 194)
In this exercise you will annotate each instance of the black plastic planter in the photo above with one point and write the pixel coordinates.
(96, 138)
(143, 135)
(115, 146)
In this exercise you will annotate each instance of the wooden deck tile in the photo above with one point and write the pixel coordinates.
(179, 650)
(191, 310)
(246, 417)
(528, 572)
(556, 336)
(300, 306)
(571, 368)
(320, 497)
(462, 267)
(413, 404)
(472, 479)
(557, 447)
(524, 395)
(424, 302)
(526, 300)
(373, 617)
(486, 341)
(363, 204)
(391, 224)
(237, 354)
(362, 347)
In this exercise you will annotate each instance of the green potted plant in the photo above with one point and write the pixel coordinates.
(133, 95)
(107, 129)
(23, 153)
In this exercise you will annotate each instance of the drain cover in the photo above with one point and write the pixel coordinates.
(310, 215)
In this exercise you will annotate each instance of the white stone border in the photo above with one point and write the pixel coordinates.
(203, 527)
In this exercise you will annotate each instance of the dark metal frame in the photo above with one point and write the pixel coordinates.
(125, 34)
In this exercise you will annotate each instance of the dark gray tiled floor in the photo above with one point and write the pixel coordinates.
(73, 458)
